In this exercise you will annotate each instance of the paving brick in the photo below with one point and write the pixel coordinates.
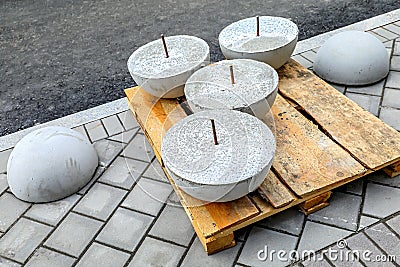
(155, 172)
(383, 178)
(317, 261)
(374, 89)
(309, 55)
(393, 80)
(100, 255)
(196, 256)
(393, 28)
(173, 225)
(139, 148)
(395, 63)
(4, 155)
(385, 33)
(362, 244)
(100, 201)
(290, 220)
(380, 38)
(113, 125)
(81, 130)
(394, 223)
(128, 120)
(385, 239)
(46, 257)
(123, 172)
(326, 236)
(11, 209)
(99, 171)
(338, 87)
(124, 137)
(396, 50)
(107, 150)
(173, 200)
(22, 239)
(342, 211)
(344, 257)
(370, 103)
(96, 130)
(259, 239)
(73, 234)
(391, 117)
(7, 263)
(388, 44)
(51, 213)
(355, 187)
(3, 183)
(240, 234)
(366, 221)
(148, 196)
(381, 201)
(125, 229)
(304, 62)
(154, 252)
(391, 98)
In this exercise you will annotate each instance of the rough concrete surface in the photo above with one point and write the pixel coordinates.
(59, 57)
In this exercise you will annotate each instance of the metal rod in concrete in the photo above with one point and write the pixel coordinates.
(165, 45)
(232, 76)
(214, 131)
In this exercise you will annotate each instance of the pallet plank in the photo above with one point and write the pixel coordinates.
(367, 138)
(276, 193)
(306, 159)
(154, 117)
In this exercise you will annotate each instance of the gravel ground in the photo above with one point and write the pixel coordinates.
(59, 57)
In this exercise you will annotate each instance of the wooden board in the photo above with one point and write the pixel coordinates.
(306, 159)
(317, 151)
(368, 139)
(275, 192)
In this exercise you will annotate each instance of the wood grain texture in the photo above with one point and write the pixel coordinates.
(393, 170)
(154, 117)
(367, 138)
(306, 159)
(308, 204)
(275, 192)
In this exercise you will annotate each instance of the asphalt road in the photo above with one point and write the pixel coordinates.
(59, 57)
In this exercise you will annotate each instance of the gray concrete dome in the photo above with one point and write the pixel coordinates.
(352, 58)
(49, 164)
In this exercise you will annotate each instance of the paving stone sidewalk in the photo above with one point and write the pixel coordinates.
(128, 215)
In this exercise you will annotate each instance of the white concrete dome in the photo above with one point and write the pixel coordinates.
(237, 165)
(275, 44)
(352, 58)
(163, 76)
(49, 164)
(254, 89)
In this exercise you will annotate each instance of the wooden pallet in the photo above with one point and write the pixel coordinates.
(324, 140)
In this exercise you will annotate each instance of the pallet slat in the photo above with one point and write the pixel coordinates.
(276, 193)
(306, 159)
(367, 138)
